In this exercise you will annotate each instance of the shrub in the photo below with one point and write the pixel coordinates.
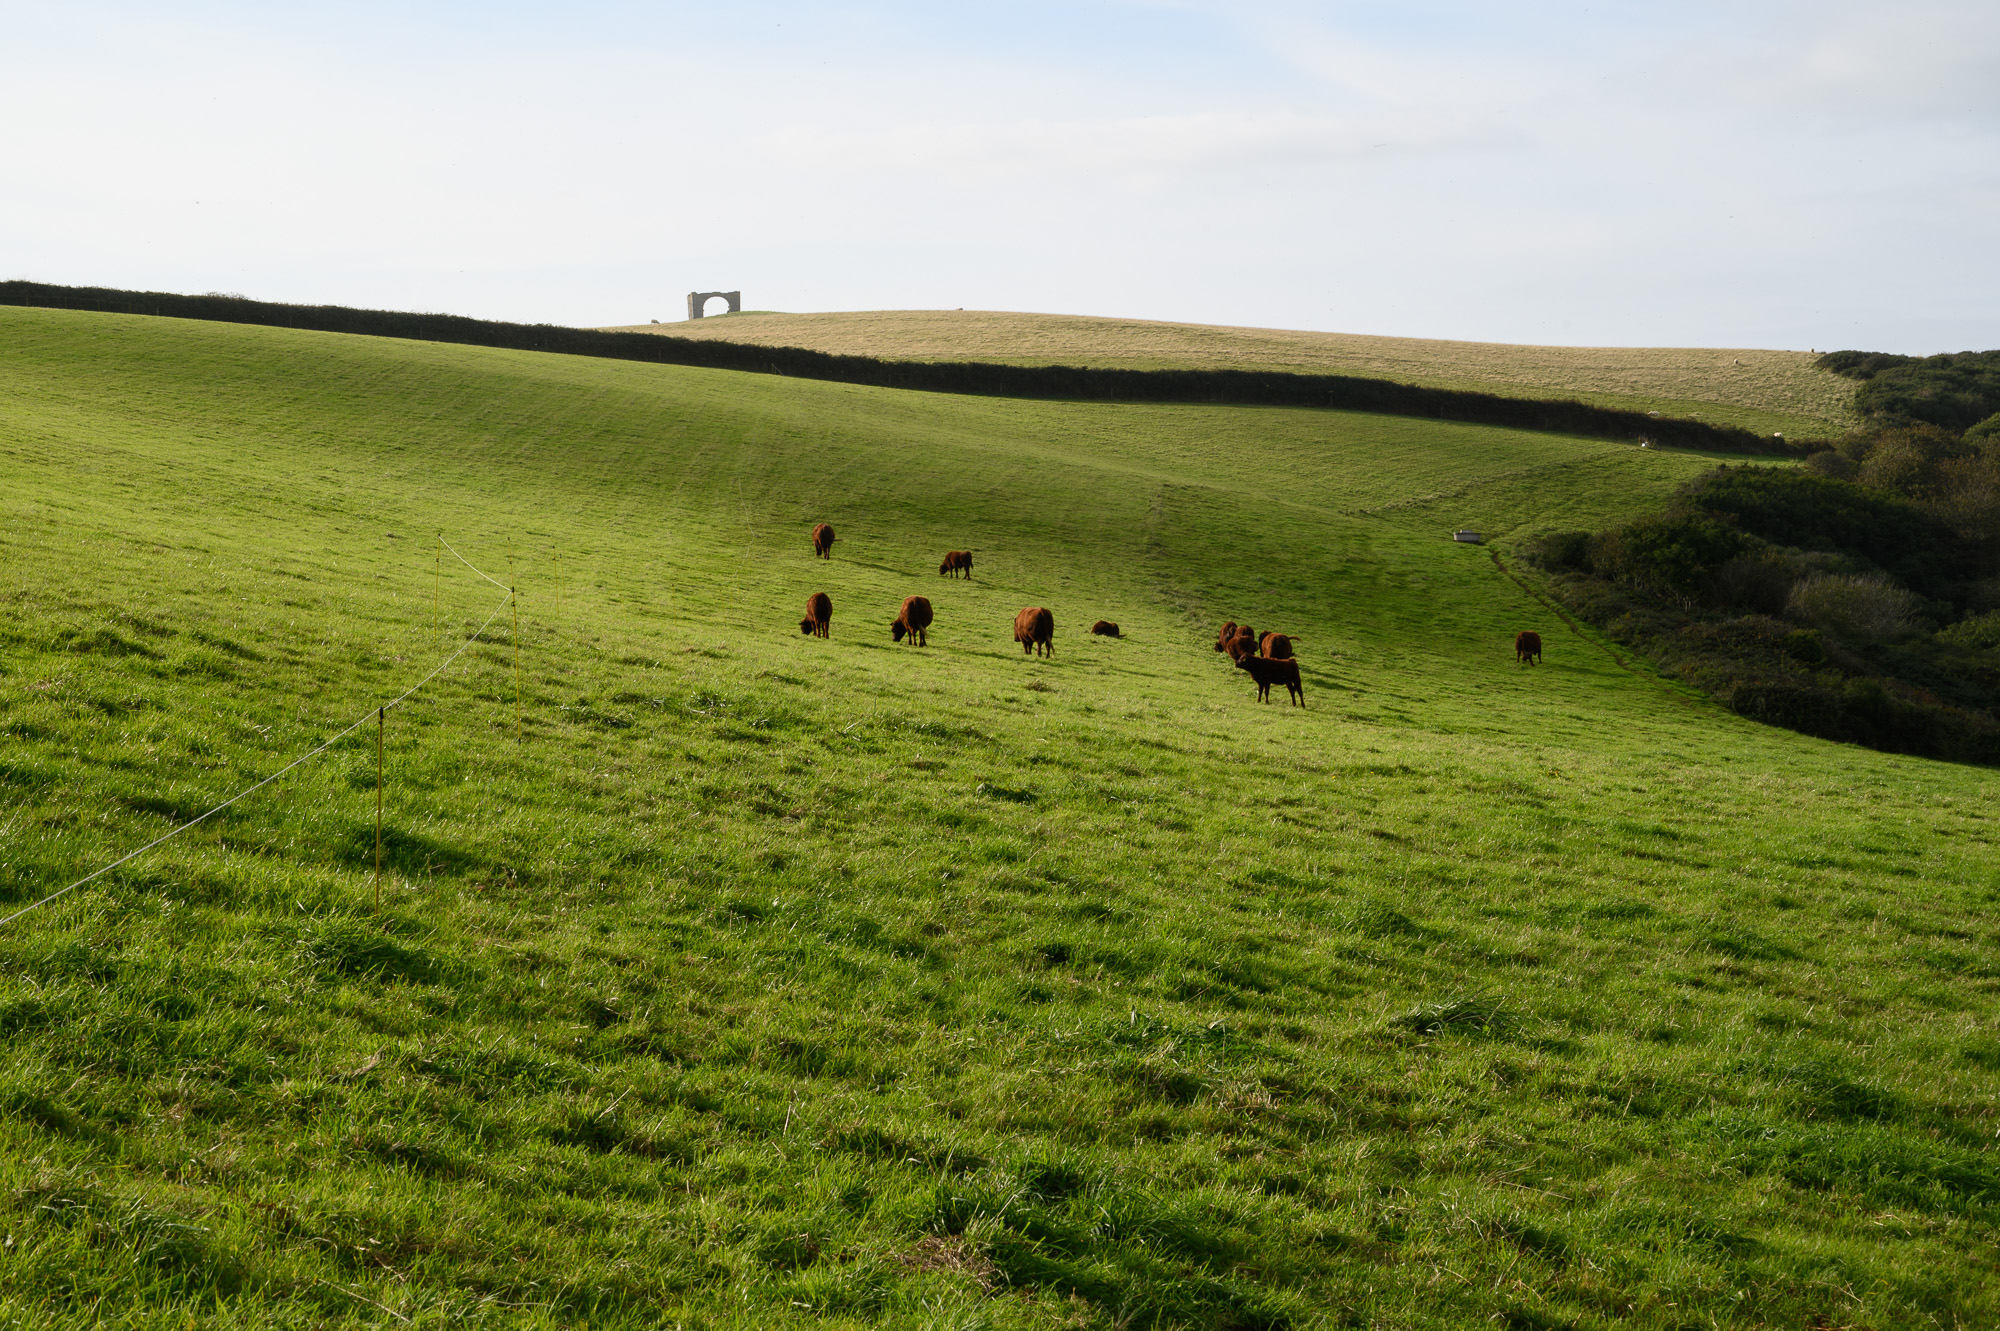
(1863, 607)
(1906, 462)
(1832, 463)
(1560, 550)
(1804, 645)
(1954, 390)
(1982, 631)
(1668, 556)
(1760, 582)
(1863, 365)
(1965, 493)
(1800, 707)
(1986, 429)
(1798, 509)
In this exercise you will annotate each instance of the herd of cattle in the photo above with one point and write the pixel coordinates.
(1267, 660)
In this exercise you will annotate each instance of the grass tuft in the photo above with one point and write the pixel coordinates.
(1471, 1014)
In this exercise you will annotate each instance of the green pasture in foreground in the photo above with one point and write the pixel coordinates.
(771, 981)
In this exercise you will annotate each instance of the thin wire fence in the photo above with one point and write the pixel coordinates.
(353, 726)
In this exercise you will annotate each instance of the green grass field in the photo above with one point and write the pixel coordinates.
(1760, 390)
(775, 982)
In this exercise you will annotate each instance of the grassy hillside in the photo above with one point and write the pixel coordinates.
(1763, 391)
(776, 982)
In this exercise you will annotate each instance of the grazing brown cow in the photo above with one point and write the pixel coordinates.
(956, 562)
(1268, 672)
(1035, 627)
(818, 622)
(911, 623)
(1104, 628)
(1528, 648)
(1277, 646)
(823, 541)
(1243, 644)
(1226, 636)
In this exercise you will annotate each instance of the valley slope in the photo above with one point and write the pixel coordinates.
(741, 979)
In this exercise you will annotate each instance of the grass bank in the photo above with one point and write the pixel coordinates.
(782, 982)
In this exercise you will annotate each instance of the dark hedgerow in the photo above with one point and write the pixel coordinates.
(1065, 382)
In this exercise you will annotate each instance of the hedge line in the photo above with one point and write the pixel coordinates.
(1235, 387)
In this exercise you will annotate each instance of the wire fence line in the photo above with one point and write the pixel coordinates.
(349, 729)
(481, 572)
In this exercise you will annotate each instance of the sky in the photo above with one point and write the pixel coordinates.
(1754, 174)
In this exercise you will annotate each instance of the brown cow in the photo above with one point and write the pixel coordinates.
(911, 623)
(1226, 636)
(1277, 646)
(955, 562)
(823, 541)
(1104, 628)
(1268, 672)
(818, 622)
(1035, 627)
(1243, 644)
(1528, 648)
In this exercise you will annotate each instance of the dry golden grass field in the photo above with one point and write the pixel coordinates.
(1759, 390)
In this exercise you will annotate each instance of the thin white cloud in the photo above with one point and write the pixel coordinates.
(1147, 147)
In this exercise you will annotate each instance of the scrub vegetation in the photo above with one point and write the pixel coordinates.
(768, 981)
(1762, 391)
(1857, 598)
(1958, 391)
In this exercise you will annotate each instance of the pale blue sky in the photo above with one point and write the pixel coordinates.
(1752, 174)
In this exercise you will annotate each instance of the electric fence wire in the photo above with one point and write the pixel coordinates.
(358, 722)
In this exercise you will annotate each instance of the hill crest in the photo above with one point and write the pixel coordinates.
(1759, 389)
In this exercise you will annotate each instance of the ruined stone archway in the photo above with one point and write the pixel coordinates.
(697, 299)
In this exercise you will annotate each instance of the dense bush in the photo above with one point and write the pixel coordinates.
(1955, 391)
(1981, 632)
(1761, 581)
(1801, 600)
(1860, 607)
(1245, 387)
(1798, 509)
(1834, 464)
(1861, 364)
(1669, 556)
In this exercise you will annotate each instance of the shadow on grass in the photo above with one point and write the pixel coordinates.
(409, 854)
(1048, 1224)
(175, 810)
(1887, 1166)
(337, 947)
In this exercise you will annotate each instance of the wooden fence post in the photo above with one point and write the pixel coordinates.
(379, 723)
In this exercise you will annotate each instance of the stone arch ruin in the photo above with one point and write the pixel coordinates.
(697, 299)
